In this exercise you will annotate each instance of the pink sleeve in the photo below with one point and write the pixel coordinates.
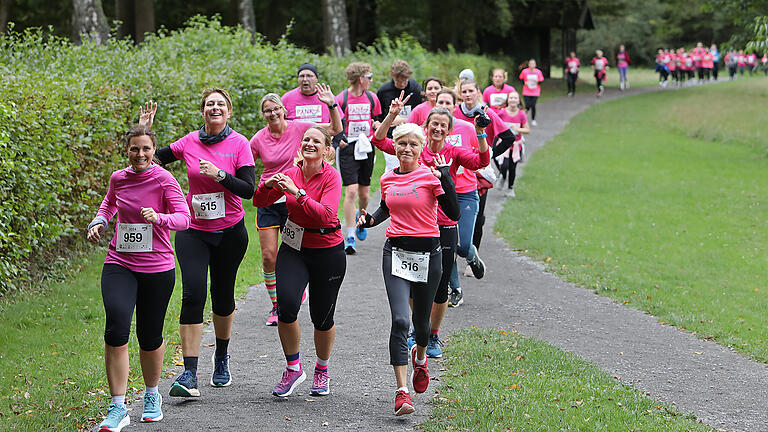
(540, 75)
(471, 160)
(254, 147)
(498, 124)
(245, 156)
(177, 148)
(438, 188)
(487, 95)
(326, 211)
(522, 75)
(386, 145)
(265, 196)
(108, 206)
(178, 218)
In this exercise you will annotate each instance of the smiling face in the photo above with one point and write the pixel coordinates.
(531, 64)
(408, 150)
(216, 111)
(140, 151)
(307, 80)
(513, 100)
(438, 126)
(498, 78)
(273, 112)
(431, 91)
(313, 145)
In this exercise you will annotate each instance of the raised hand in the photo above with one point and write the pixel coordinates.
(439, 163)
(147, 113)
(361, 220)
(397, 104)
(324, 94)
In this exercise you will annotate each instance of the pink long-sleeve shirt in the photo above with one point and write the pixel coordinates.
(128, 192)
(318, 209)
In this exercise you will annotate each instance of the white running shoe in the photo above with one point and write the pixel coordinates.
(533, 123)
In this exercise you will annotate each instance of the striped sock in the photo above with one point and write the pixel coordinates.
(434, 331)
(321, 364)
(270, 280)
(292, 362)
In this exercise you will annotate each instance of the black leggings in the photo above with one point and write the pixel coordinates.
(398, 291)
(530, 105)
(449, 239)
(323, 269)
(480, 221)
(122, 290)
(222, 251)
(598, 79)
(714, 70)
(571, 80)
(509, 171)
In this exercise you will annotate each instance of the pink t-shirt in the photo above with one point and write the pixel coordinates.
(698, 53)
(318, 209)
(518, 120)
(229, 155)
(741, 60)
(298, 106)
(572, 64)
(496, 98)
(128, 192)
(412, 202)
(707, 61)
(531, 80)
(358, 113)
(277, 154)
(621, 59)
(464, 135)
(420, 113)
(495, 128)
(751, 59)
(600, 63)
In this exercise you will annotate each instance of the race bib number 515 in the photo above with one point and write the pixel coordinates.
(208, 206)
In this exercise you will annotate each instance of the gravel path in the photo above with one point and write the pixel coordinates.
(721, 387)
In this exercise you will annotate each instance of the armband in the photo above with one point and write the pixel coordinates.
(482, 135)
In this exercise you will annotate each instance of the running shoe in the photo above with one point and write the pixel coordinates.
(221, 376)
(349, 246)
(320, 383)
(420, 374)
(289, 381)
(533, 122)
(153, 408)
(510, 193)
(468, 271)
(360, 232)
(478, 266)
(117, 418)
(434, 345)
(185, 385)
(272, 318)
(456, 298)
(403, 404)
(411, 339)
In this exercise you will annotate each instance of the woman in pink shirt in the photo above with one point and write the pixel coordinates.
(431, 86)
(571, 67)
(221, 173)
(532, 77)
(276, 145)
(622, 62)
(412, 259)
(312, 252)
(495, 95)
(138, 270)
(600, 66)
(517, 121)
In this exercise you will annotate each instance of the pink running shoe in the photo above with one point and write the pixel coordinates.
(272, 318)
(420, 375)
(320, 385)
(290, 380)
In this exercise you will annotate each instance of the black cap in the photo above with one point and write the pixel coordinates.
(308, 66)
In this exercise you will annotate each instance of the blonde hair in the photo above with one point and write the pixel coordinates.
(409, 129)
(271, 97)
(355, 70)
(328, 143)
(599, 53)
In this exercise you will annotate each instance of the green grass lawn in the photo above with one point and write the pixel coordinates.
(52, 346)
(500, 381)
(659, 201)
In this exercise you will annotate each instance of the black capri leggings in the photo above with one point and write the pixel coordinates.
(323, 269)
(449, 240)
(477, 237)
(398, 292)
(530, 105)
(122, 290)
(222, 251)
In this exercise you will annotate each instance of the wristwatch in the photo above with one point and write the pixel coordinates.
(221, 175)
(300, 193)
(333, 106)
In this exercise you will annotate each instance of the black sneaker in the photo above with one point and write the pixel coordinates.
(478, 266)
(456, 298)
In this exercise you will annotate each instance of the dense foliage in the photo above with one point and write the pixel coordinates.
(65, 107)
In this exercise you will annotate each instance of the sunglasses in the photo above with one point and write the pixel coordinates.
(369, 76)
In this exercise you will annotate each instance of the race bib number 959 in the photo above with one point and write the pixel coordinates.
(134, 237)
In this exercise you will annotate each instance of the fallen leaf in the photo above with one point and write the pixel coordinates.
(325, 423)
(698, 352)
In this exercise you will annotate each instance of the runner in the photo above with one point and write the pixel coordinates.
(673, 66)
(412, 255)
(517, 122)
(751, 60)
(495, 95)
(622, 62)
(571, 68)
(741, 62)
(600, 66)
(356, 155)
(400, 72)
(698, 60)
(221, 172)
(312, 252)
(731, 64)
(662, 68)
(531, 77)
(303, 103)
(276, 145)
(432, 85)
(707, 64)
(715, 60)
(764, 62)
(138, 270)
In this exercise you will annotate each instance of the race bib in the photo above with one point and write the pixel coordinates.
(531, 81)
(498, 99)
(411, 266)
(358, 127)
(313, 113)
(573, 67)
(293, 234)
(454, 140)
(208, 206)
(599, 64)
(134, 237)
(359, 111)
(513, 126)
(405, 112)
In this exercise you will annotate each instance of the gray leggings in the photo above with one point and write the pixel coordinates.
(398, 292)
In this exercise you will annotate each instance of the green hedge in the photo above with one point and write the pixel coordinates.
(65, 108)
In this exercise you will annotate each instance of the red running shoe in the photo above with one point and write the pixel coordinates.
(420, 375)
(403, 404)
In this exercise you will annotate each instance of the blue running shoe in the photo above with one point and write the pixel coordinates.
(434, 345)
(220, 377)
(360, 232)
(153, 408)
(117, 418)
(411, 340)
(185, 385)
(349, 246)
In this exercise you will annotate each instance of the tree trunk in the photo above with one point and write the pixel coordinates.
(5, 8)
(89, 21)
(144, 16)
(124, 14)
(245, 15)
(336, 26)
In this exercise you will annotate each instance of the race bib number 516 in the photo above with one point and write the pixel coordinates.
(411, 266)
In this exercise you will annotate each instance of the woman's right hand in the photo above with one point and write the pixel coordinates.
(147, 113)
(94, 234)
(361, 221)
(397, 104)
(274, 180)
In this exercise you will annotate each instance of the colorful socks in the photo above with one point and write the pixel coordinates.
(270, 280)
(292, 362)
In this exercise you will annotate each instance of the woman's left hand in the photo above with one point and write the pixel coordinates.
(149, 214)
(439, 163)
(287, 184)
(208, 169)
(324, 94)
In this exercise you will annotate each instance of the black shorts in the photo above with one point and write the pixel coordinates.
(272, 216)
(355, 171)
